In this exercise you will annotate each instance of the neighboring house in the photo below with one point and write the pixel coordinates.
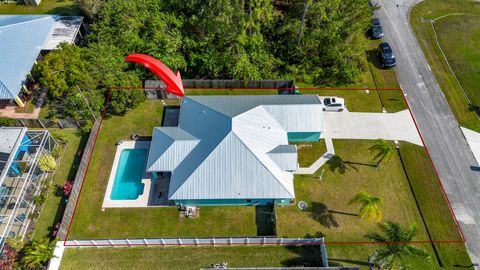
(20, 178)
(233, 150)
(22, 38)
(29, 2)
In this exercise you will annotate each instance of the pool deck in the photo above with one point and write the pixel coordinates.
(147, 179)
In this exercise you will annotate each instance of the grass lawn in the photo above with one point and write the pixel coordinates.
(309, 152)
(436, 212)
(91, 222)
(459, 37)
(330, 214)
(52, 211)
(61, 7)
(189, 257)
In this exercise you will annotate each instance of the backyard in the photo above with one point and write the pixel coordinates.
(189, 257)
(52, 210)
(91, 222)
(457, 26)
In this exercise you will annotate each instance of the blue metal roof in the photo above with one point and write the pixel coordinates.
(21, 39)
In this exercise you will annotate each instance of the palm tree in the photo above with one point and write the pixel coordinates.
(396, 250)
(383, 151)
(38, 253)
(370, 208)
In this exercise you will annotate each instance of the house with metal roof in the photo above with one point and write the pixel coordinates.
(234, 150)
(22, 38)
(20, 177)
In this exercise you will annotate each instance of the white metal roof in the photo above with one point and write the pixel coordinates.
(238, 153)
(22, 37)
(172, 145)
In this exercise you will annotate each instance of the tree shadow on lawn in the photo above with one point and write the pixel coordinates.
(372, 57)
(326, 217)
(308, 256)
(337, 164)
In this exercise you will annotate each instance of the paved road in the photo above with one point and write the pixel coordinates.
(449, 149)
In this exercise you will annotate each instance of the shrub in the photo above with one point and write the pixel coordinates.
(67, 188)
(47, 163)
(6, 122)
(40, 199)
(57, 151)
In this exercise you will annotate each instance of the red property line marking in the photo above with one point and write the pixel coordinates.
(88, 165)
(435, 170)
(265, 88)
(326, 242)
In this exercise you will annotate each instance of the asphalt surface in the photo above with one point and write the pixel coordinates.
(446, 144)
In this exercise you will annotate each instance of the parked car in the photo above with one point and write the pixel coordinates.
(387, 56)
(334, 104)
(377, 31)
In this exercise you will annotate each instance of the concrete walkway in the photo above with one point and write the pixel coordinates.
(473, 139)
(322, 160)
(356, 125)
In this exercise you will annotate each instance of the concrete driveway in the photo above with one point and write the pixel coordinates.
(356, 125)
(447, 145)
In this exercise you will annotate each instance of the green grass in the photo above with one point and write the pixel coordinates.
(91, 222)
(459, 36)
(188, 257)
(53, 208)
(60, 7)
(337, 188)
(309, 152)
(330, 214)
(436, 212)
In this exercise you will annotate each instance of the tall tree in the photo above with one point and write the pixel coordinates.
(396, 250)
(382, 151)
(370, 208)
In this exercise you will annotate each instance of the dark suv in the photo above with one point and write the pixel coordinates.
(386, 55)
(377, 31)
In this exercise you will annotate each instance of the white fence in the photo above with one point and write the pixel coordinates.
(221, 241)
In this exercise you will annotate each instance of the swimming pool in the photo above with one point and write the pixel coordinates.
(128, 177)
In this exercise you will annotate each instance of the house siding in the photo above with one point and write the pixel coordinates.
(303, 136)
(226, 202)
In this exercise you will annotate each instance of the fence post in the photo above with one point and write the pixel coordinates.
(246, 242)
(281, 241)
(179, 242)
(213, 241)
(75, 242)
(145, 241)
(263, 241)
(93, 242)
(229, 241)
(196, 242)
(163, 241)
(128, 242)
(111, 242)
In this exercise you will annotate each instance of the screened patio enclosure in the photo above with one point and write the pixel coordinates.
(20, 177)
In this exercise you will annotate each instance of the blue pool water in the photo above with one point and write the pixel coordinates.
(128, 177)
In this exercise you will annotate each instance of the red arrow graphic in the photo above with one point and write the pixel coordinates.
(172, 81)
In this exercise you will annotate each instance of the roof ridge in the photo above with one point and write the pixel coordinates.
(265, 166)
